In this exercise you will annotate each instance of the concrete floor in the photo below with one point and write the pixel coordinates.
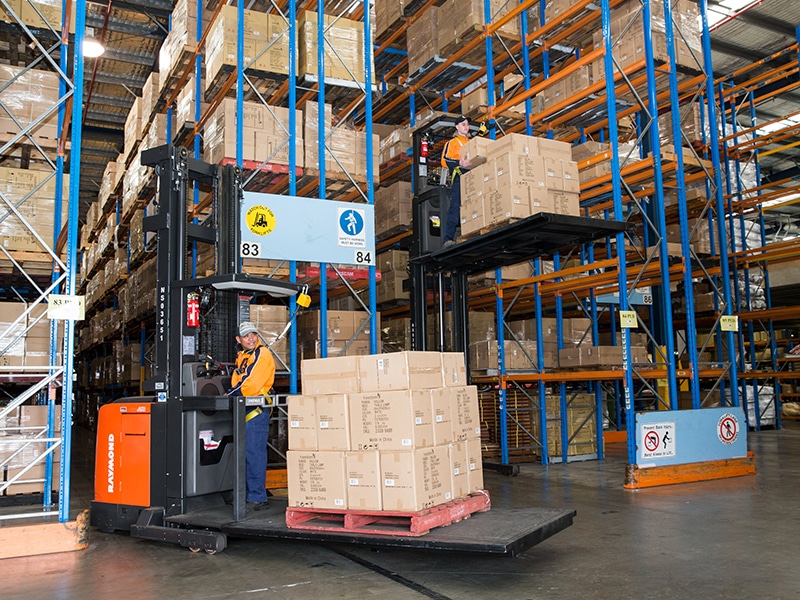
(731, 539)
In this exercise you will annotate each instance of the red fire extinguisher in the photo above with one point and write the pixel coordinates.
(423, 147)
(192, 310)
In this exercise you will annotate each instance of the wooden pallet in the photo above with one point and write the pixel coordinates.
(394, 523)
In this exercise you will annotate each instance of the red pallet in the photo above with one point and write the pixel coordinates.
(388, 522)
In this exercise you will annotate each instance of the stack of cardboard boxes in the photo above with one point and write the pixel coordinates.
(393, 209)
(395, 432)
(264, 133)
(180, 43)
(522, 175)
(440, 31)
(26, 338)
(18, 451)
(348, 333)
(33, 194)
(393, 265)
(266, 44)
(271, 321)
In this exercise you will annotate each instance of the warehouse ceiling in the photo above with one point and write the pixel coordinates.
(133, 30)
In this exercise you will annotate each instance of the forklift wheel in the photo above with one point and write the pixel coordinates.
(194, 549)
(211, 551)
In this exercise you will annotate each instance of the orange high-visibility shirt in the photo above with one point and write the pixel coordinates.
(451, 154)
(254, 374)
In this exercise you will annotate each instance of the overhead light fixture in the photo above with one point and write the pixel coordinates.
(92, 48)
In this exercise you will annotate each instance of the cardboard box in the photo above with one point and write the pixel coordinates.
(413, 480)
(459, 469)
(454, 369)
(333, 418)
(442, 416)
(316, 479)
(363, 480)
(393, 420)
(465, 413)
(475, 464)
(334, 375)
(400, 371)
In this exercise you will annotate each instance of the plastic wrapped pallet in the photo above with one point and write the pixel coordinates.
(33, 193)
(29, 95)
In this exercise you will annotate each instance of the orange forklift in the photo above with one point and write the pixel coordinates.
(156, 474)
(155, 454)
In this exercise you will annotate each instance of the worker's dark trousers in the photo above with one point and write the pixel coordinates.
(256, 432)
(454, 210)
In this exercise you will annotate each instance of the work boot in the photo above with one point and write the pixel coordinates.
(255, 506)
(448, 243)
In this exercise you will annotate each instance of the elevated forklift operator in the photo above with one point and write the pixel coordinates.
(254, 376)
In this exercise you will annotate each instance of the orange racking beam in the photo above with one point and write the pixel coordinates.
(756, 201)
(790, 48)
(759, 188)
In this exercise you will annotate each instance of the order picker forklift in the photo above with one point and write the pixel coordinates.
(442, 273)
(154, 475)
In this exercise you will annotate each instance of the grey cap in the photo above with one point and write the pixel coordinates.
(247, 327)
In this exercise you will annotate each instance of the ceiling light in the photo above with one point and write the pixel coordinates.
(92, 48)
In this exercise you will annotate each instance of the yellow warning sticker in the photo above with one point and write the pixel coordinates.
(260, 220)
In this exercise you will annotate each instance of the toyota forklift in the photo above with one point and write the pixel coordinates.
(170, 465)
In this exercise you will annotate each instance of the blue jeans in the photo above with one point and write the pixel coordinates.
(256, 433)
(453, 211)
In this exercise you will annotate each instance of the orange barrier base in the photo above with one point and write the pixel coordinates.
(44, 538)
(613, 437)
(636, 478)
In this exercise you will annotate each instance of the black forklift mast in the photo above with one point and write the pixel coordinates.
(182, 406)
(430, 182)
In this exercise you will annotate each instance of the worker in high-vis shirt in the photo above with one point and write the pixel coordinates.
(451, 158)
(254, 376)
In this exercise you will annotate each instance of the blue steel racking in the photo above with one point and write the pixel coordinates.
(42, 384)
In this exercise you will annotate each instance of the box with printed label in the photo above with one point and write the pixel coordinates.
(442, 416)
(302, 417)
(393, 420)
(413, 480)
(316, 479)
(333, 418)
(363, 480)
(455, 371)
(475, 464)
(334, 375)
(400, 371)
(465, 413)
(459, 469)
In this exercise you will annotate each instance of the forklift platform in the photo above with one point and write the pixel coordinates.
(499, 531)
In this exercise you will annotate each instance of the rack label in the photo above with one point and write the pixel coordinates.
(729, 323)
(69, 308)
(628, 320)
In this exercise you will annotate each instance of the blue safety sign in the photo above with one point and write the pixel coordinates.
(306, 229)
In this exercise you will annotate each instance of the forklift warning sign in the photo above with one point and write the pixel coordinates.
(306, 229)
(260, 220)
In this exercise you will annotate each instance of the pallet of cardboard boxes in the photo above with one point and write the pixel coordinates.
(392, 432)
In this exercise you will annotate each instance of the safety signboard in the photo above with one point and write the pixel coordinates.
(705, 434)
(658, 440)
(307, 229)
(728, 429)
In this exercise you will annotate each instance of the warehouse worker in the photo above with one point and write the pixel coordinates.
(451, 158)
(254, 376)
(795, 349)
